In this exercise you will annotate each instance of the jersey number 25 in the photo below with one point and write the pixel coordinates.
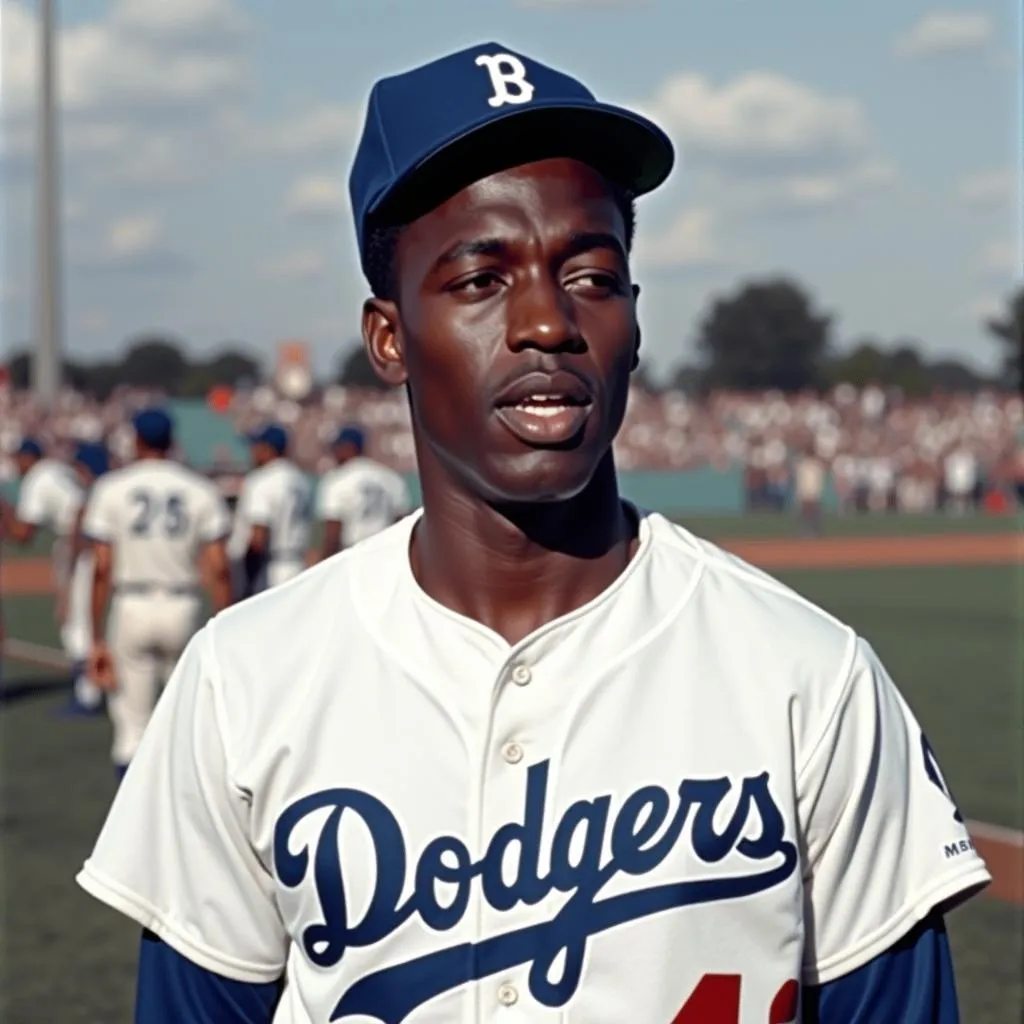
(150, 511)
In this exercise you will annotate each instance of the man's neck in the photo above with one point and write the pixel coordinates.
(515, 568)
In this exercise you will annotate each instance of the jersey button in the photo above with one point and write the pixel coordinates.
(507, 995)
(512, 752)
(521, 675)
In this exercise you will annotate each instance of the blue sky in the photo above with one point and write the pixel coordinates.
(870, 150)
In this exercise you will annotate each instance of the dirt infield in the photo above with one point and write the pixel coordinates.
(1002, 849)
(878, 552)
(34, 575)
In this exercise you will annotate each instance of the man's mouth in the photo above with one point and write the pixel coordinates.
(544, 410)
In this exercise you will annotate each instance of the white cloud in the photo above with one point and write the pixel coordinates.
(297, 265)
(761, 121)
(188, 22)
(946, 32)
(323, 130)
(1001, 257)
(132, 235)
(131, 244)
(985, 308)
(142, 89)
(987, 188)
(688, 241)
(124, 63)
(316, 195)
(821, 191)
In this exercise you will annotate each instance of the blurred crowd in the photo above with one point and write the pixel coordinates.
(880, 451)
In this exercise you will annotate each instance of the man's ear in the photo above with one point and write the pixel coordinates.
(636, 344)
(382, 338)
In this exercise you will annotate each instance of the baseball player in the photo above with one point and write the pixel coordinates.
(154, 526)
(50, 497)
(360, 497)
(531, 754)
(90, 462)
(273, 517)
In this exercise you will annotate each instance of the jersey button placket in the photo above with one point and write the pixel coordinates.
(517, 730)
(508, 995)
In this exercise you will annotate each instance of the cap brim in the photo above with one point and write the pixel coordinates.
(629, 150)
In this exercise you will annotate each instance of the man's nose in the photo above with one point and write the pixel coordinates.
(542, 316)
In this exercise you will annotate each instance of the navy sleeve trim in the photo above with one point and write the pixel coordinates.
(912, 982)
(172, 989)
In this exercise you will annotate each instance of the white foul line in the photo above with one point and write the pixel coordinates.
(35, 654)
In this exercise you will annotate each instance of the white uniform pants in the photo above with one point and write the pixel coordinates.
(76, 632)
(146, 632)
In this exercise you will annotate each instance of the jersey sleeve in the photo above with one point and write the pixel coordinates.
(401, 498)
(174, 853)
(99, 519)
(335, 499)
(259, 510)
(215, 519)
(32, 500)
(883, 841)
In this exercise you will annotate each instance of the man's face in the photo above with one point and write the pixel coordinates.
(85, 477)
(24, 463)
(515, 330)
(345, 452)
(262, 453)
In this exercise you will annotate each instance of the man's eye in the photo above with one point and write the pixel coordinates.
(482, 281)
(596, 281)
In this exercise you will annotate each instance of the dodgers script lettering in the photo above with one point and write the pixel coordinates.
(644, 830)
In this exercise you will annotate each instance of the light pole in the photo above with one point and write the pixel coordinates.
(46, 368)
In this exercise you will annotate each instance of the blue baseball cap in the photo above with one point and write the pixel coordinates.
(94, 457)
(350, 435)
(30, 446)
(154, 428)
(436, 128)
(273, 435)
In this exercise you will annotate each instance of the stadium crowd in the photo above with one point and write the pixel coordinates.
(881, 451)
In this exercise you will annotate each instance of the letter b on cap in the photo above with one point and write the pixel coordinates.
(508, 78)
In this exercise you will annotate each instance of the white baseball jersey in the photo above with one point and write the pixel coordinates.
(364, 496)
(157, 515)
(278, 496)
(50, 496)
(698, 790)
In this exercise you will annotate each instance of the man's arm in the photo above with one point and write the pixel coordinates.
(101, 665)
(913, 982)
(172, 989)
(878, 824)
(257, 554)
(217, 571)
(16, 529)
(332, 538)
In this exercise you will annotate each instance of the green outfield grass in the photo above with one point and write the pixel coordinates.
(950, 637)
(769, 524)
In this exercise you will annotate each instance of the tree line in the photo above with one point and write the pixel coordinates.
(767, 334)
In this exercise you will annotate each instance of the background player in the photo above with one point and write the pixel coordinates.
(156, 529)
(50, 497)
(655, 784)
(273, 517)
(91, 461)
(360, 497)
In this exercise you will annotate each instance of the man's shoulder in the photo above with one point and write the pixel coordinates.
(745, 602)
(312, 607)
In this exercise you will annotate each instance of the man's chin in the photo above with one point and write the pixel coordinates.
(541, 476)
